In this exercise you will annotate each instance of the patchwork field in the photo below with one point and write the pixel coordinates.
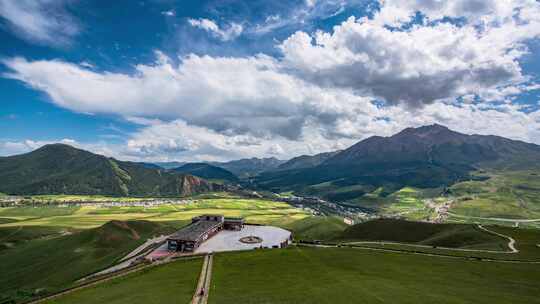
(30, 239)
(514, 195)
(253, 210)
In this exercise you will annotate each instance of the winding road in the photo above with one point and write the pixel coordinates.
(511, 241)
(511, 244)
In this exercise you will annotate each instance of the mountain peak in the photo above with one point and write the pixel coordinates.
(59, 148)
(427, 129)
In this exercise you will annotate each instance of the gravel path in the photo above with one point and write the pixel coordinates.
(511, 241)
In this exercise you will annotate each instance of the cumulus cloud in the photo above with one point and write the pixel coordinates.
(228, 95)
(323, 94)
(40, 21)
(398, 12)
(225, 34)
(415, 66)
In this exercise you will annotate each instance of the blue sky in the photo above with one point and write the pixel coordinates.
(224, 79)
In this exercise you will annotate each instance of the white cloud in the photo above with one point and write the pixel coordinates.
(11, 147)
(178, 140)
(319, 96)
(228, 95)
(40, 21)
(302, 15)
(418, 65)
(225, 34)
(397, 12)
(169, 13)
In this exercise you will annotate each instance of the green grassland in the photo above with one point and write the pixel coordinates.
(514, 194)
(407, 203)
(253, 210)
(81, 198)
(171, 283)
(46, 262)
(527, 241)
(444, 235)
(10, 237)
(315, 227)
(342, 275)
(37, 243)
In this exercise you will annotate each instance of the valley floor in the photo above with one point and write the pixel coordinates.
(374, 272)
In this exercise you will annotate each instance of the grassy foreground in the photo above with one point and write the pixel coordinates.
(172, 283)
(421, 233)
(41, 265)
(340, 275)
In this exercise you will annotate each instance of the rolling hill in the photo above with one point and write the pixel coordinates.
(425, 157)
(306, 161)
(37, 267)
(62, 169)
(207, 171)
(444, 235)
(249, 167)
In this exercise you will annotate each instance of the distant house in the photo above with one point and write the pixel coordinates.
(233, 223)
(348, 221)
(203, 227)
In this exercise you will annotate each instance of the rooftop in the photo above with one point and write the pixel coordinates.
(194, 231)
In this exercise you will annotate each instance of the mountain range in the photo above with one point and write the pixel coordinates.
(207, 171)
(425, 157)
(62, 169)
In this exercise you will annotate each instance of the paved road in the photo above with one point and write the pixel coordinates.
(142, 247)
(495, 218)
(203, 286)
(129, 259)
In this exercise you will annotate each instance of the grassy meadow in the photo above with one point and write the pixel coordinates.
(171, 283)
(84, 217)
(40, 260)
(343, 275)
(514, 194)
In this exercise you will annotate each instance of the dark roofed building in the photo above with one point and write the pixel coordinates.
(233, 223)
(203, 227)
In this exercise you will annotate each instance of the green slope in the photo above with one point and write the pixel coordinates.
(444, 235)
(62, 169)
(341, 275)
(172, 283)
(44, 265)
(207, 171)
